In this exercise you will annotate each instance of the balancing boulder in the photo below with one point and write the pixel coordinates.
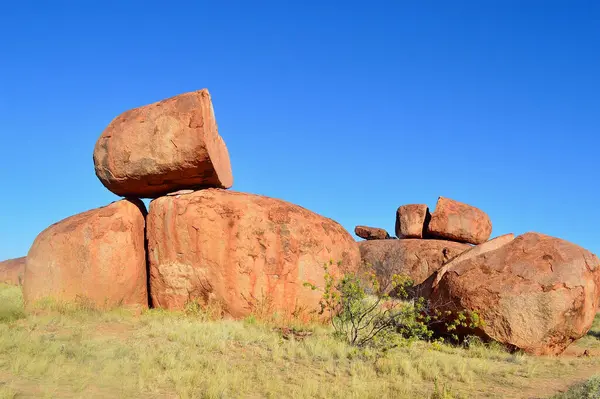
(455, 221)
(163, 147)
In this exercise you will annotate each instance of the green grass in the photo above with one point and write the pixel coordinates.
(75, 351)
(587, 390)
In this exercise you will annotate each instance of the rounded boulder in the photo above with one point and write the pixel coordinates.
(536, 293)
(96, 257)
(247, 253)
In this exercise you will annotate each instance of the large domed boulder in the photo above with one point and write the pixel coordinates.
(456, 221)
(415, 258)
(12, 271)
(163, 147)
(97, 257)
(246, 252)
(536, 293)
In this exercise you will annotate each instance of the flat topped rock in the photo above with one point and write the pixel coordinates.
(411, 220)
(163, 147)
(371, 233)
(457, 221)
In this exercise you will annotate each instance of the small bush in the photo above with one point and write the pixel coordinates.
(587, 390)
(362, 312)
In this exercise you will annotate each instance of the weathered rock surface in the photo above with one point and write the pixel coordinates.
(97, 256)
(411, 220)
(247, 252)
(536, 293)
(453, 220)
(12, 271)
(371, 233)
(415, 258)
(487, 246)
(424, 289)
(163, 147)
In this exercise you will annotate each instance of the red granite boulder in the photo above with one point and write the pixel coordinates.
(411, 220)
(97, 257)
(371, 233)
(12, 271)
(163, 147)
(417, 259)
(456, 221)
(536, 293)
(248, 253)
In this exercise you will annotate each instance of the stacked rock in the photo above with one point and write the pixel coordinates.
(425, 241)
(198, 241)
(534, 292)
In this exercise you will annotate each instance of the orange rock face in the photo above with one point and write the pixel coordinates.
(417, 259)
(97, 256)
(371, 233)
(411, 220)
(453, 220)
(12, 271)
(487, 246)
(163, 147)
(536, 293)
(247, 252)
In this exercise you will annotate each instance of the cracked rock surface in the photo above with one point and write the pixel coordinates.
(536, 293)
(163, 147)
(415, 258)
(247, 253)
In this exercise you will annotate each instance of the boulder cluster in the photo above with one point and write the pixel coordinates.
(198, 241)
(533, 292)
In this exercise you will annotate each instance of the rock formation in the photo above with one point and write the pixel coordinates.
(371, 233)
(414, 258)
(97, 257)
(453, 220)
(12, 271)
(536, 293)
(245, 252)
(411, 220)
(163, 147)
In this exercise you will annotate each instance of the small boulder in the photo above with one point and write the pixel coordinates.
(455, 221)
(536, 293)
(371, 233)
(97, 256)
(414, 258)
(12, 271)
(247, 253)
(163, 147)
(411, 220)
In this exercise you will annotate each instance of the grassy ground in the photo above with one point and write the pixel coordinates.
(68, 352)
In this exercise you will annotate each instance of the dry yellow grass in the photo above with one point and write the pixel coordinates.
(69, 351)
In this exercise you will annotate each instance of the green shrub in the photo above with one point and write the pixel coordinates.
(362, 312)
(587, 390)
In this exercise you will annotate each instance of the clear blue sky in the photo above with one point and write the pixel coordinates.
(349, 109)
